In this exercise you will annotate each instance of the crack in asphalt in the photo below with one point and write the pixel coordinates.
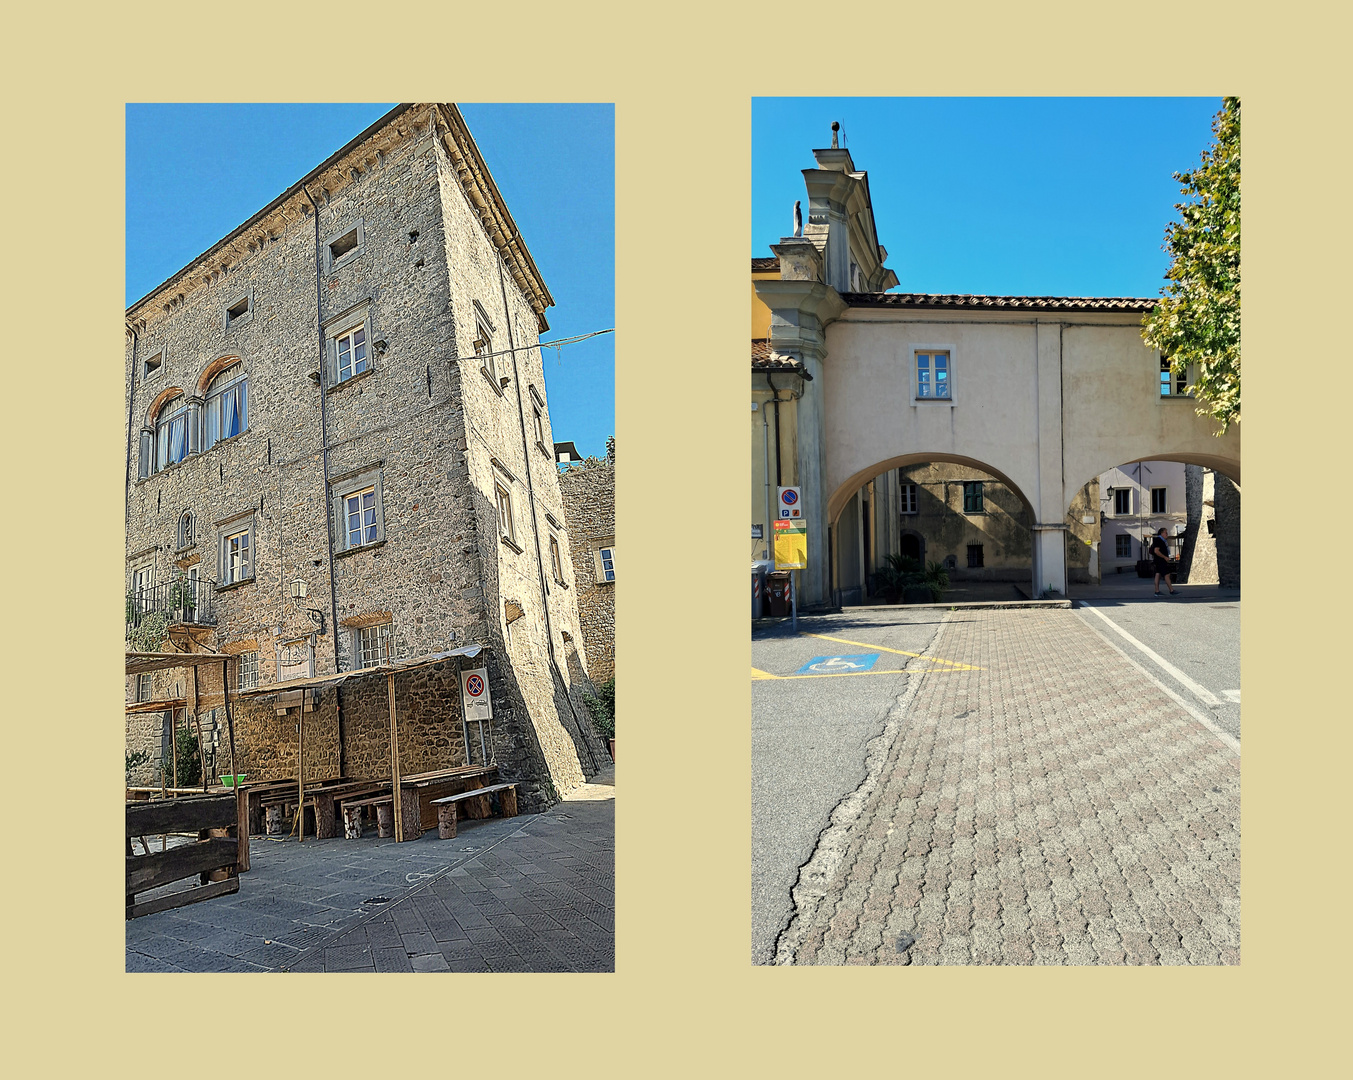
(832, 842)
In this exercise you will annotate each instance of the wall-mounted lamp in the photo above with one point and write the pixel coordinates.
(381, 345)
(297, 592)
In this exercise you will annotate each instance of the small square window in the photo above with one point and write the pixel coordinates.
(371, 644)
(908, 498)
(1122, 546)
(606, 564)
(341, 248)
(556, 559)
(358, 508)
(238, 562)
(1173, 384)
(505, 525)
(360, 516)
(932, 375)
(1158, 500)
(975, 555)
(153, 365)
(483, 346)
(241, 308)
(1122, 501)
(248, 671)
(972, 496)
(351, 354)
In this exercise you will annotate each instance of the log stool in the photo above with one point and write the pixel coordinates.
(385, 819)
(352, 822)
(446, 821)
(273, 814)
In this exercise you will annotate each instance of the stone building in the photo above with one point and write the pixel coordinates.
(340, 458)
(589, 508)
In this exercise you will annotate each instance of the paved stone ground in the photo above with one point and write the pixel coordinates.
(1054, 807)
(532, 893)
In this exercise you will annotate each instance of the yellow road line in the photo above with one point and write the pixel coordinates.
(900, 652)
(758, 676)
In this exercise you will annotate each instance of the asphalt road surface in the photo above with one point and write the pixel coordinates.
(1197, 634)
(810, 735)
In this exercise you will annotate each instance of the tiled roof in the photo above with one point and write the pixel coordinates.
(1002, 303)
(762, 266)
(762, 360)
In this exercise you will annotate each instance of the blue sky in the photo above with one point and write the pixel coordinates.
(196, 172)
(1003, 196)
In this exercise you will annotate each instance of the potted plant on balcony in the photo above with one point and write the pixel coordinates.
(182, 599)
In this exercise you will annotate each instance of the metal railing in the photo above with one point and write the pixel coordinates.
(180, 600)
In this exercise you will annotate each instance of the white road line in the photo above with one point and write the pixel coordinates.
(1232, 695)
(1226, 737)
(1200, 692)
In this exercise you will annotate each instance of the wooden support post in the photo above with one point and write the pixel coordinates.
(507, 798)
(300, 771)
(201, 750)
(352, 822)
(394, 759)
(174, 748)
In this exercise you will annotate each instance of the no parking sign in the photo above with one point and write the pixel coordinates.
(474, 694)
(790, 503)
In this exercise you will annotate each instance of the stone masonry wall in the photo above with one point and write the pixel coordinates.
(423, 421)
(589, 501)
(427, 704)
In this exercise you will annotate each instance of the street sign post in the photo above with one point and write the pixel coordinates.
(477, 705)
(791, 552)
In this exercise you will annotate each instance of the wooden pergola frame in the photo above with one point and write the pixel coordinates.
(390, 670)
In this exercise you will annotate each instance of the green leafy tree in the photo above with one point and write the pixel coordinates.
(1197, 321)
(602, 707)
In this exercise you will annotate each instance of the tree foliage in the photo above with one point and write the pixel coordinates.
(1197, 322)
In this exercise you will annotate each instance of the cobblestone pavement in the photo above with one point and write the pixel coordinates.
(1054, 807)
(533, 893)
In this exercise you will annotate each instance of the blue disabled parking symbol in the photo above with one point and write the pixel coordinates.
(838, 665)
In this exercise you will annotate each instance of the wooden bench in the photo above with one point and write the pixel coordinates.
(446, 807)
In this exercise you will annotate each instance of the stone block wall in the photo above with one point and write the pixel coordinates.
(589, 500)
(427, 704)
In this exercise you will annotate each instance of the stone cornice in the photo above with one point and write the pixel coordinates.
(478, 185)
(366, 153)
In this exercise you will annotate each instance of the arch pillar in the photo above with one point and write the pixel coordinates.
(195, 404)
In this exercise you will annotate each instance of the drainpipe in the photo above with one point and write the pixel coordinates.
(131, 398)
(324, 434)
(535, 525)
(766, 532)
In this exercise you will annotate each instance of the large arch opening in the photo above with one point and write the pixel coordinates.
(930, 508)
(1195, 498)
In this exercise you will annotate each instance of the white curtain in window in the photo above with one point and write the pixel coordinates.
(229, 414)
(178, 438)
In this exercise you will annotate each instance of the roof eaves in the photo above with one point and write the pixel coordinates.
(337, 156)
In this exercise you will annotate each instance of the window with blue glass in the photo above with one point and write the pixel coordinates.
(171, 433)
(226, 412)
(932, 375)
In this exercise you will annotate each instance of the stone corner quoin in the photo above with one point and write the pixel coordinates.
(310, 407)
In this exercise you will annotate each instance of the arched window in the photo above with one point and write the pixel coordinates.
(171, 433)
(226, 412)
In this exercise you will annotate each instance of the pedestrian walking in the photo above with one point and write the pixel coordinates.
(1160, 557)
